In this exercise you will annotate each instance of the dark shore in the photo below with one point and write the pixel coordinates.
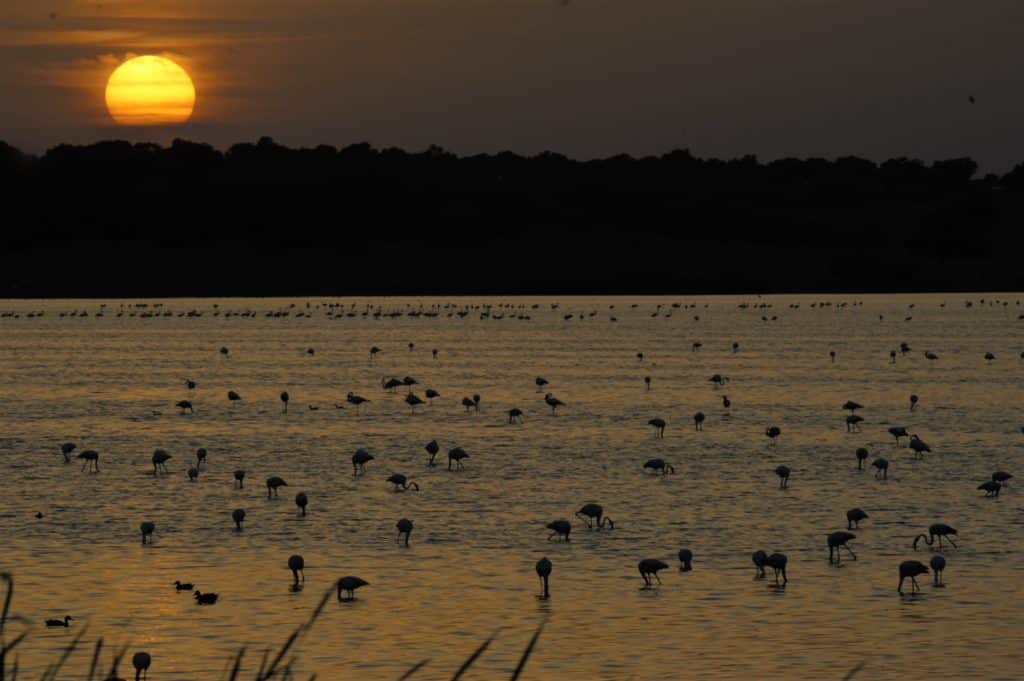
(121, 220)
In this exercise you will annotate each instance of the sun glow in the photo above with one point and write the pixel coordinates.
(150, 90)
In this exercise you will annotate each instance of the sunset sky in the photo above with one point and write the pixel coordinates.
(585, 77)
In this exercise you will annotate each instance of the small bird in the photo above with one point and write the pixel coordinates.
(647, 383)
(233, 396)
(881, 465)
(853, 518)
(183, 405)
(301, 500)
(659, 427)
(760, 559)
(273, 483)
(413, 401)
(349, 585)
(224, 352)
(183, 586)
(553, 402)
(852, 406)
(698, 420)
(205, 599)
(543, 568)
(60, 623)
(193, 474)
(404, 526)
(284, 401)
(649, 567)
(898, 432)
(685, 560)
(147, 528)
(357, 400)
(559, 528)
(773, 434)
(853, 422)
(593, 514)
(783, 473)
(862, 455)
(432, 449)
(238, 515)
(431, 394)
(913, 402)
(160, 459)
(1002, 477)
(515, 415)
(540, 382)
(919, 446)
(239, 478)
(911, 568)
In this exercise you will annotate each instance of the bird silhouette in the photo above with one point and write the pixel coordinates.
(401, 483)
(649, 567)
(881, 466)
(698, 420)
(147, 528)
(938, 564)
(297, 564)
(515, 415)
(160, 459)
(862, 454)
(233, 396)
(413, 401)
(141, 662)
(284, 401)
(898, 432)
(301, 500)
(685, 560)
(919, 446)
(559, 528)
(783, 473)
(183, 405)
(60, 623)
(239, 478)
(1002, 477)
(183, 586)
(205, 599)
(432, 449)
(357, 400)
(838, 540)
(273, 483)
(939, 530)
(991, 488)
(659, 466)
(773, 433)
(777, 562)
(853, 518)
(593, 514)
(659, 427)
(349, 585)
(456, 456)
(404, 526)
(66, 449)
(359, 461)
(543, 568)
(91, 460)
(238, 515)
(760, 559)
(911, 569)
(553, 402)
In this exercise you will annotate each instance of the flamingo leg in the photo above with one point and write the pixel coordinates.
(851, 551)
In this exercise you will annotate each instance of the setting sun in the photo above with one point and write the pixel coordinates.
(150, 90)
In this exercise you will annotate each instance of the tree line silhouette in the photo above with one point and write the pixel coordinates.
(122, 219)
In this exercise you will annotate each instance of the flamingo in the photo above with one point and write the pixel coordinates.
(659, 466)
(543, 568)
(594, 513)
(931, 355)
(431, 394)
(238, 515)
(838, 540)
(659, 427)
(540, 382)
(853, 518)
(698, 421)
(239, 478)
(413, 400)
(852, 406)
(939, 530)
(66, 449)
(862, 455)
(898, 432)
(456, 455)
(647, 383)
(183, 405)
(401, 483)
(357, 400)
(183, 586)
(783, 473)
(882, 466)
(553, 402)
(832, 354)
(911, 569)
(359, 461)
(373, 352)
(432, 449)
(301, 500)
(649, 567)
(725, 402)
(404, 526)
(273, 483)
(1002, 477)
(938, 564)
(91, 459)
(190, 384)
(390, 384)
(284, 401)
(476, 403)
(777, 562)
(719, 380)
(160, 458)
(773, 434)
(297, 564)
(559, 528)
(919, 446)
(989, 356)
(467, 403)
(349, 585)
(147, 528)
(991, 488)
(515, 415)
(193, 474)
(233, 396)
(685, 558)
(853, 422)
(200, 457)
(913, 402)
(760, 559)
(205, 599)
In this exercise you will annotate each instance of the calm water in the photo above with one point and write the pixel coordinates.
(109, 383)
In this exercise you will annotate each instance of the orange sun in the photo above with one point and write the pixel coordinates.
(150, 90)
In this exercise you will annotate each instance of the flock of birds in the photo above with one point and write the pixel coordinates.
(591, 514)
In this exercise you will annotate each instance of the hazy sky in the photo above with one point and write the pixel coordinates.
(584, 77)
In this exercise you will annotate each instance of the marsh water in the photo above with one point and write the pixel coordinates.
(110, 383)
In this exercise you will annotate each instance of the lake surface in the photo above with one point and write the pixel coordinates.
(110, 383)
